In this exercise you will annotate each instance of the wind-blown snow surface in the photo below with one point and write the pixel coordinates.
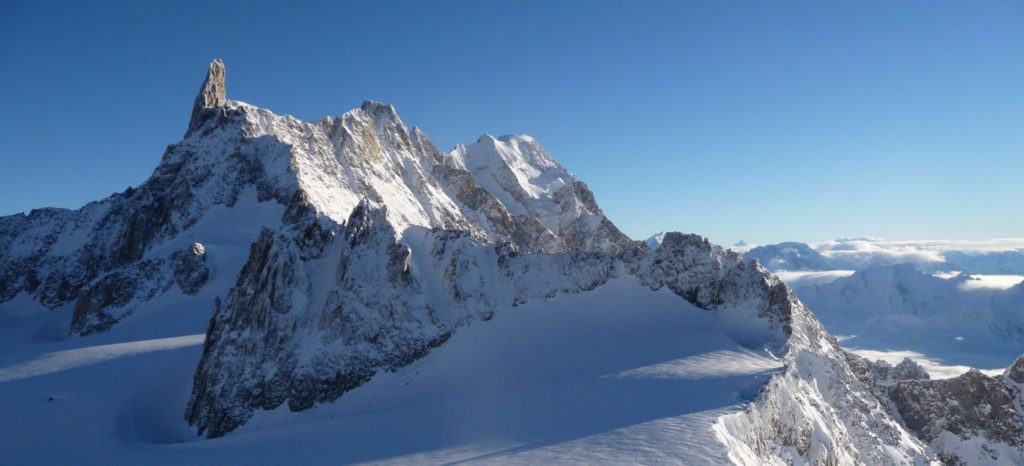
(622, 374)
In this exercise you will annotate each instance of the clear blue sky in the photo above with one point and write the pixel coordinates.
(764, 121)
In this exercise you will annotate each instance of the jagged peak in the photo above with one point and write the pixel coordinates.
(366, 215)
(422, 142)
(212, 93)
(1016, 370)
(384, 117)
(675, 239)
(908, 368)
(375, 108)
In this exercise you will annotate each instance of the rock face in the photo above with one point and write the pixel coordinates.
(212, 94)
(967, 419)
(882, 373)
(970, 405)
(115, 295)
(381, 306)
(711, 277)
(1015, 373)
(190, 270)
(368, 315)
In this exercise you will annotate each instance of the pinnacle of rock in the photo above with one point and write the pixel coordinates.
(211, 95)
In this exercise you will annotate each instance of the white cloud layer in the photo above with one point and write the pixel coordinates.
(876, 250)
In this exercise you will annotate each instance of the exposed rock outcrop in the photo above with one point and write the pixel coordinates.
(1016, 371)
(114, 296)
(212, 94)
(712, 277)
(882, 373)
(359, 297)
(970, 405)
(970, 419)
(189, 268)
(962, 418)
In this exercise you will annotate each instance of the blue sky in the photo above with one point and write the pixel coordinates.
(764, 121)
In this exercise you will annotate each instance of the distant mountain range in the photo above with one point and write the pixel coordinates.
(960, 302)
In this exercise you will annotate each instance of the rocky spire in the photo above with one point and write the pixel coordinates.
(211, 95)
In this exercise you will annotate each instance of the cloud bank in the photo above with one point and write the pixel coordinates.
(867, 251)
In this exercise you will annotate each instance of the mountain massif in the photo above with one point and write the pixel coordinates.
(330, 255)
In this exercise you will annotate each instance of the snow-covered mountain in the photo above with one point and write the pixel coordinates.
(792, 256)
(951, 304)
(360, 291)
(901, 307)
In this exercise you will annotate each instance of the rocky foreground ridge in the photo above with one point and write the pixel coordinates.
(381, 246)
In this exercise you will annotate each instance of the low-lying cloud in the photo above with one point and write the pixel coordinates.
(864, 251)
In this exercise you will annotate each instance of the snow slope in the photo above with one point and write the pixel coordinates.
(622, 375)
